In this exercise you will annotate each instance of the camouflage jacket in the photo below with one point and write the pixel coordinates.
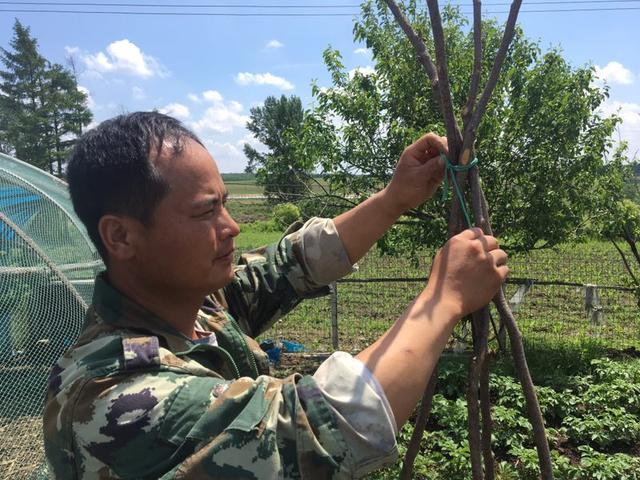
(133, 398)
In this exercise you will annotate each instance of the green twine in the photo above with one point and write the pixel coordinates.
(450, 171)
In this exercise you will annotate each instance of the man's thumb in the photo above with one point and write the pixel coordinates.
(434, 167)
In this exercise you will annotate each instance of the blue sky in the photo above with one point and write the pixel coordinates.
(209, 71)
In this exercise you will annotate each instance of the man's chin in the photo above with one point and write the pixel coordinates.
(221, 281)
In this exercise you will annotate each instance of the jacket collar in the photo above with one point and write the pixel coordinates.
(121, 312)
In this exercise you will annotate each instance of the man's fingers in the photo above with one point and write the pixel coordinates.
(434, 168)
(503, 271)
(488, 242)
(499, 257)
(432, 144)
(471, 233)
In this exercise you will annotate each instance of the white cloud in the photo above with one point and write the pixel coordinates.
(123, 56)
(246, 78)
(362, 51)
(368, 70)
(212, 96)
(138, 93)
(90, 101)
(222, 117)
(193, 97)
(253, 141)
(614, 72)
(71, 51)
(274, 44)
(629, 129)
(93, 124)
(176, 110)
(229, 155)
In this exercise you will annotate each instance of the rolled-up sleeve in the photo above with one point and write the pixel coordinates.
(321, 252)
(270, 281)
(174, 426)
(364, 416)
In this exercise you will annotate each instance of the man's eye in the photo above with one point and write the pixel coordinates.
(208, 212)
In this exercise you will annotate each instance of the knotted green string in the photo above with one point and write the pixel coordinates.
(450, 171)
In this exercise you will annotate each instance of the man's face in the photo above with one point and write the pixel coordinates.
(189, 246)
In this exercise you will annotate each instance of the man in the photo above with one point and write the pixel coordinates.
(166, 381)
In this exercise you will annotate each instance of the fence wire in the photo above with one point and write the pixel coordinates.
(577, 294)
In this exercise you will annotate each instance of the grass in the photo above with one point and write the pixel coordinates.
(253, 235)
(239, 184)
(548, 313)
(243, 187)
(249, 211)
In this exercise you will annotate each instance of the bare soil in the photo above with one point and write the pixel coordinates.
(21, 449)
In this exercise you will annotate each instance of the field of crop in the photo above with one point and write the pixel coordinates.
(245, 184)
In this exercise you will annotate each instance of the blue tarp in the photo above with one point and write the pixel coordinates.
(19, 205)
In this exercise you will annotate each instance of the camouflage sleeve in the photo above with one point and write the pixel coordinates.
(174, 426)
(364, 415)
(271, 281)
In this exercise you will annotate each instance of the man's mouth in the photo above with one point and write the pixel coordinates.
(228, 254)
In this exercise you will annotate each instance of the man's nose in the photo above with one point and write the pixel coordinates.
(229, 226)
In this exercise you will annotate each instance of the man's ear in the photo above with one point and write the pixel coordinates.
(119, 235)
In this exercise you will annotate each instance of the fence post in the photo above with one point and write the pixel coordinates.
(334, 315)
(518, 298)
(592, 306)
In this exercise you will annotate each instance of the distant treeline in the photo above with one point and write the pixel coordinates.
(238, 177)
(247, 177)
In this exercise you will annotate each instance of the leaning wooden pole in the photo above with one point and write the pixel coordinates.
(461, 152)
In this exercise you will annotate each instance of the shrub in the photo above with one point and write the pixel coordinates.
(285, 214)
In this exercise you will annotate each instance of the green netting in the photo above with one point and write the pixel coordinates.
(47, 267)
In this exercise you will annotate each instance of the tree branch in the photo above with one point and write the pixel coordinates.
(418, 45)
(478, 112)
(533, 407)
(418, 429)
(453, 131)
(478, 203)
(625, 261)
(473, 412)
(477, 63)
(485, 398)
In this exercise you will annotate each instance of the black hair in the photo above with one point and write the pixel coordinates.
(112, 168)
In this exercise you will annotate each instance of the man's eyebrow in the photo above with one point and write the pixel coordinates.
(211, 200)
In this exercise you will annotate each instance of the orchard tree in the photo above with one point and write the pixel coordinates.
(279, 170)
(542, 144)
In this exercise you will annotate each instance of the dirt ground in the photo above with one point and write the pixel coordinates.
(21, 451)
(305, 364)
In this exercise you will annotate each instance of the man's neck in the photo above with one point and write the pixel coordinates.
(176, 308)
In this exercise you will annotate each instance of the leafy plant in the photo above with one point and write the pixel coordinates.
(285, 214)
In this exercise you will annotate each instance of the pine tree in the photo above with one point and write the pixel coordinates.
(66, 113)
(20, 106)
(41, 109)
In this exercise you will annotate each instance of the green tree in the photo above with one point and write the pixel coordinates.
(22, 86)
(279, 170)
(41, 109)
(66, 113)
(541, 146)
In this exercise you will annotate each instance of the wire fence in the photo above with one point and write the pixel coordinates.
(576, 294)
